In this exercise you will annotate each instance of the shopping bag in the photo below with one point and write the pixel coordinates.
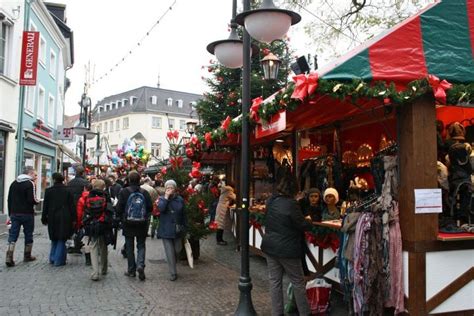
(318, 292)
(8, 223)
(189, 253)
(290, 306)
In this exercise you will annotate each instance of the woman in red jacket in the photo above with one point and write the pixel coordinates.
(80, 214)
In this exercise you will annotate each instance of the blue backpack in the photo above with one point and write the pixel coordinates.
(135, 209)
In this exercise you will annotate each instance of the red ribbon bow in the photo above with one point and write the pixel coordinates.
(439, 88)
(225, 124)
(172, 135)
(254, 109)
(305, 85)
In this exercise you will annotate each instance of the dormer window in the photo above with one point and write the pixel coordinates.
(119, 104)
(153, 99)
(169, 102)
(124, 102)
(112, 106)
(179, 103)
(133, 100)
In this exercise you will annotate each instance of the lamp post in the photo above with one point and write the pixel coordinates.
(88, 134)
(85, 104)
(264, 24)
(191, 127)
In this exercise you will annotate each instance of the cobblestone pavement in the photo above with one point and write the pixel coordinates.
(38, 288)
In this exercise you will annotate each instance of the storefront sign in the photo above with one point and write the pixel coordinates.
(428, 201)
(64, 133)
(276, 124)
(42, 129)
(29, 58)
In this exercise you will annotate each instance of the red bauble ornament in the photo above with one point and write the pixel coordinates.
(265, 51)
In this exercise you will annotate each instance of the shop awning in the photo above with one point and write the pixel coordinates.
(68, 152)
(438, 41)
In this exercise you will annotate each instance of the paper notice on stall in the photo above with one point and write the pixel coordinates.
(428, 201)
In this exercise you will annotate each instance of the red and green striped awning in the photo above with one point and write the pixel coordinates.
(439, 41)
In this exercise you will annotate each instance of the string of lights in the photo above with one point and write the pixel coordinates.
(131, 50)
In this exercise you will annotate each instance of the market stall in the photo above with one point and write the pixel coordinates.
(371, 117)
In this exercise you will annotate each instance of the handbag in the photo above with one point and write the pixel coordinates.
(189, 253)
(179, 229)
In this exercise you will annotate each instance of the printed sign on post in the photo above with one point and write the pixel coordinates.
(428, 201)
(64, 133)
(29, 58)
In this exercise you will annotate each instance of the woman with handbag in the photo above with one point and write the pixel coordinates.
(173, 225)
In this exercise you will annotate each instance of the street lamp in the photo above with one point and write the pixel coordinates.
(265, 24)
(270, 65)
(191, 127)
(88, 134)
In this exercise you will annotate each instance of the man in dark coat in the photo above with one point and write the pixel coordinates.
(21, 209)
(282, 245)
(133, 230)
(76, 187)
(59, 214)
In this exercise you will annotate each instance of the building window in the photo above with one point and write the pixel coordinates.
(5, 42)
(91, 153)
(153, 99)
(179, 103)
(50, 110)
(117, 125)
(99, 128)
(169, 102)
(111, 128)
(113, 148)
(156, 149)
(156, 122)
(52, 64)
(41, 102)
(106, 127)
(30, 99)
(133, 100)
(125, 123)
(124, 102)
(171, 124)
(182, 125)
(42, 51)
(119, 104)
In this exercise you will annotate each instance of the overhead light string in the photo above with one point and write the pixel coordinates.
(131, 50)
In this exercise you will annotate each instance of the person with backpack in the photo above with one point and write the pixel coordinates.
(76, 186)
(134, 208)
(58, 214)
(173, 224)
(97, 221)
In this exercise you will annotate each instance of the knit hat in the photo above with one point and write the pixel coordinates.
(171, 183)
(456, 131)
(333, 192)
(313, 190)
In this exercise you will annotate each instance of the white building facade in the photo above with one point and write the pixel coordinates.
(143, 115)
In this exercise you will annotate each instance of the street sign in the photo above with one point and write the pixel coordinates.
(65, 133)
(29, 58)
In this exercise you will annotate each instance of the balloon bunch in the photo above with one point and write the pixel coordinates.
(130, 157)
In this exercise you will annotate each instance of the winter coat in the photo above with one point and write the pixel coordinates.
(133, 229)
(172, 212)
(58, 212)
(153, 193)
(80, 209)
(284, 226)
(76, 186)
(21, 196)
(114, 190)
(225, 199)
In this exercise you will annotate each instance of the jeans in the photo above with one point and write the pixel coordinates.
(28, 223)
(99, 253)
(130, 247)
(292, 267)
(58, 253)
(172, 248)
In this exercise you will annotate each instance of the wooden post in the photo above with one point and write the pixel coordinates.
(417, 140)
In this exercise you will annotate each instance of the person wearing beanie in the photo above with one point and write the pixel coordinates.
(331, 211)
(59, 215)
(311, 205)
(173, 225)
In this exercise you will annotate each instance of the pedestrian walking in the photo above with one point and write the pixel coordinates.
(76, 186)
(80, 225)
(226, 198)
(282, 245)
(134, 208)
(58, 214)
(21, 209)
(148, 186)
(173, 225)
(97, 221)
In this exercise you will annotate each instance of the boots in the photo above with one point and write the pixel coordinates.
(28, 257)
(9, 257)
(88, 259)
(220, 237)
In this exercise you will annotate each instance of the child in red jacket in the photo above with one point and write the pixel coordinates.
(79, 225)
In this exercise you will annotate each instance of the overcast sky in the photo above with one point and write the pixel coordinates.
(106, 30)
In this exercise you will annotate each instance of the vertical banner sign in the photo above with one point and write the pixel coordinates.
(29, 58)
